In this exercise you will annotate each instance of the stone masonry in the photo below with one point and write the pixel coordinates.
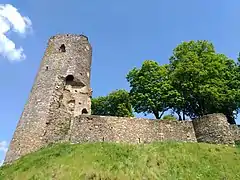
(61, 90)
(129, 130)
(213, 128)
(59, 109)
(235, 130)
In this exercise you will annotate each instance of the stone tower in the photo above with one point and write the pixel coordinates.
(61, 91)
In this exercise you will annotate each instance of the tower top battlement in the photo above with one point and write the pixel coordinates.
(63, 36)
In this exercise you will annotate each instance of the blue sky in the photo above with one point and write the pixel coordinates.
(123, 34)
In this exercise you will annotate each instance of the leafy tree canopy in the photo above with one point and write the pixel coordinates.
(151, 90)
(208, 81)
(117, 103)
(198, 81)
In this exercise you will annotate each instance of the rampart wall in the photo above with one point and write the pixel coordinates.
(235, 130)
(129, 130)
(90, 128)
(213, 128)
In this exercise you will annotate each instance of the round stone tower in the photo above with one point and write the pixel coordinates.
(213, 128)
(61, 91)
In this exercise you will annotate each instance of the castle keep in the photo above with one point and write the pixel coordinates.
(59, 109)
(61, 91)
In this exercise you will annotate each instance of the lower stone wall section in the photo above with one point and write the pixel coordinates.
(129, 130)
(213, 128)
(235, 130)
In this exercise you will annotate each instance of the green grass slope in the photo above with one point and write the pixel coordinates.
(169, 160)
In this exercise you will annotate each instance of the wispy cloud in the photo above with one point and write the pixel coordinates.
(3, 146)
(3, 149)
(12, 21)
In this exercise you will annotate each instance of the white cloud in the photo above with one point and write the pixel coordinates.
(12, 20)
(3, 146)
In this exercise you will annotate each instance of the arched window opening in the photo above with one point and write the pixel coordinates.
(69, 79)
(62, 48)
(84, 111)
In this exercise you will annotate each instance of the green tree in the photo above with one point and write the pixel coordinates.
(169, 117)
(117, 103)
(208, 82)
(151, 90)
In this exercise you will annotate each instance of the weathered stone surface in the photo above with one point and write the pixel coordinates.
(213, 128)
(129, 130)
(235, 130)
(61, 90)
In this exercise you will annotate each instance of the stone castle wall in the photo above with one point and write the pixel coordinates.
(235, 130)
(91, 128)
(129, 130)
(59, 108)
(213, 128)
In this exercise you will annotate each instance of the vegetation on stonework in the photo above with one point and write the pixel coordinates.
(117, 103)
(197, 81)
(168, 160)
(169, 117)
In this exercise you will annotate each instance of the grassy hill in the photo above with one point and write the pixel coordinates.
(169, 160)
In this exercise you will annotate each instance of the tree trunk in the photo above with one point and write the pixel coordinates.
(184, 118)
(230, 119)
(161, 115)
(156, 114)
(179, 116)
